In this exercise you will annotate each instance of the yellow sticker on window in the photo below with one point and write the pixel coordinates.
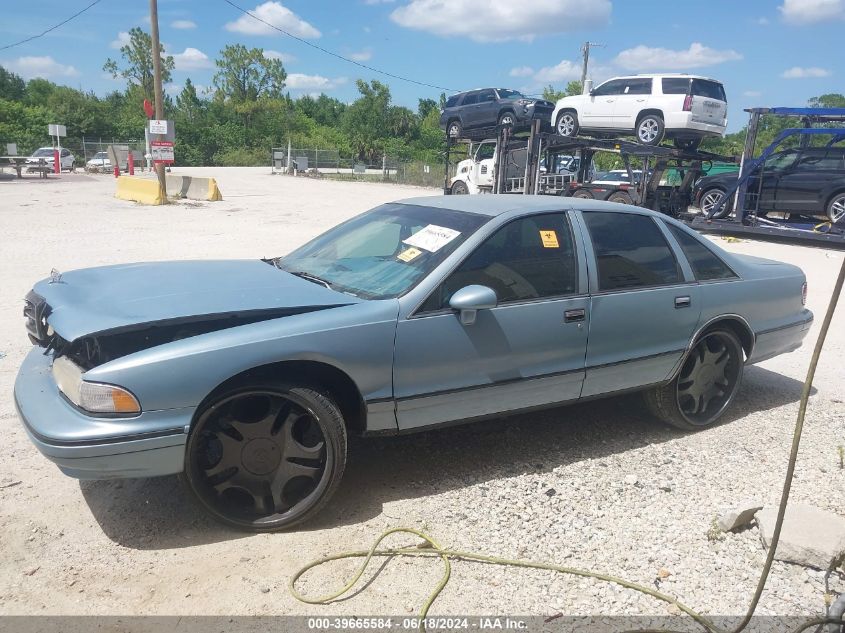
(549, 239)
(409, 254)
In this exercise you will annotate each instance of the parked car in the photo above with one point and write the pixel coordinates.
(100, 161)
(489, 107)
(808, 181)
(248, 375)
(685, 108)
(47, 155)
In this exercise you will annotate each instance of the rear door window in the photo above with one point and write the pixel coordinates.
(470, 99)
(821, 161)
(709, 89)
(705, 264)
(638, 86)
(675, 85)
(630, 251)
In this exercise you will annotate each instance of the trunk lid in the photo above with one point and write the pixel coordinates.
(709, 104)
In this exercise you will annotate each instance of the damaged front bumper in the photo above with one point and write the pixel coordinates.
(90, 447)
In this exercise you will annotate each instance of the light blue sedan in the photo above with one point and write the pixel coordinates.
(247, 376)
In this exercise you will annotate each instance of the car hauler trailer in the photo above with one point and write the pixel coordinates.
(746, 219)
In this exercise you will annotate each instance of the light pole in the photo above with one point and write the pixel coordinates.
(159, 105)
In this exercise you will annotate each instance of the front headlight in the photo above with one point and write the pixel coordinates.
(93, 397)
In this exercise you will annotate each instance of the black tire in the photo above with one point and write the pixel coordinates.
(296, 462)
(507, 118)
(585, 194)
(835, 209)
(620, 197)
(459, 188)
(713, 366)
(454, 129)
(688, 144)
(650, 129)
(567, 124)
(710, 197)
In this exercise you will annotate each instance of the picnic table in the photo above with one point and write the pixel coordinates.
(19, 162)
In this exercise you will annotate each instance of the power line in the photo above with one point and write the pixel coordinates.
(333, 54)
(52, 28)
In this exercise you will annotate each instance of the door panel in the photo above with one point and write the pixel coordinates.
(645, 307)
(598, 111)
(638, 337)
(634, 99)
(527, 351)
(512, 357)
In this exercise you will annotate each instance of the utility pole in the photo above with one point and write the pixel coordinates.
(159, 105)
(585, 50)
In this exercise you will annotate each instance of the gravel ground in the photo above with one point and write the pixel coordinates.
(599, 485)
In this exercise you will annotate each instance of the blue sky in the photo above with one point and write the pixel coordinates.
(767, 52)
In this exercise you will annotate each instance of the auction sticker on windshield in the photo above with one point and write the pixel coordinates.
(432, 238)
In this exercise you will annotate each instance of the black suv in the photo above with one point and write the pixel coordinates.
(808, 181)
(492, 106)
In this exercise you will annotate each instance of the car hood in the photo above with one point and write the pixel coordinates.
(130, 296)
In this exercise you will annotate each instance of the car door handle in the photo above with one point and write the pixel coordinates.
(640, 100)
(682, 302)
(573, 316)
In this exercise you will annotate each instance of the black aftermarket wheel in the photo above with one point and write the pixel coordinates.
(706, 385)
(266, 457)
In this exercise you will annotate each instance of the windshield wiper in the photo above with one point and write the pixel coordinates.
(312, 278)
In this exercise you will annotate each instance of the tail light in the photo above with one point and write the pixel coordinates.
(804, 294)
(688, 103)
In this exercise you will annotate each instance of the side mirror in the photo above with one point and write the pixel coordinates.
(470, 299)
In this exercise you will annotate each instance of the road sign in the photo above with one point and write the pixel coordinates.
(158, 126)
(57, 130)
(161, 151)
(148, 108)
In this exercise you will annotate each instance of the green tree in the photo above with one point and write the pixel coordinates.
(367, 120)
(11, 85)
(138, 63)
(247, 75)
(572, 88)
(832, 100)
(425, 106)
(188, 103)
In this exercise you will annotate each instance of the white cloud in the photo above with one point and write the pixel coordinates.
(361, 56)
(285, 58)
(192, 59)
(521, 71)
(696, 56)
(797, 72)
(276, 14)
(564, 71)
(812, 11)
(298, 81)
(497, 20)
(121, 40)
(173, 89)
(752, 93)
(45, 67)
(183, 25)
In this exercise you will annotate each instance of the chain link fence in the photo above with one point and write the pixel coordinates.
(329, 163)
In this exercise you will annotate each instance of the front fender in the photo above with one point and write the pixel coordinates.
(356, 339)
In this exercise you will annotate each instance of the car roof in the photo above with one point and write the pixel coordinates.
(661, 75)
(493, 205)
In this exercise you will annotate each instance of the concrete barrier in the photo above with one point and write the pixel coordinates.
(143, 190)
(193, 188)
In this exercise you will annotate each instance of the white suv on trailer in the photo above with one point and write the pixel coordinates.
(685, 108)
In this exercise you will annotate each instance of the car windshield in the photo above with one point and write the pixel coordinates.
(101, 155)
(508, 94)
(384, 252)
(44, 151)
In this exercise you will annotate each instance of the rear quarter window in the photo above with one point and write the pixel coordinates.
(451, 102)
(705, 264)
(675, 86)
